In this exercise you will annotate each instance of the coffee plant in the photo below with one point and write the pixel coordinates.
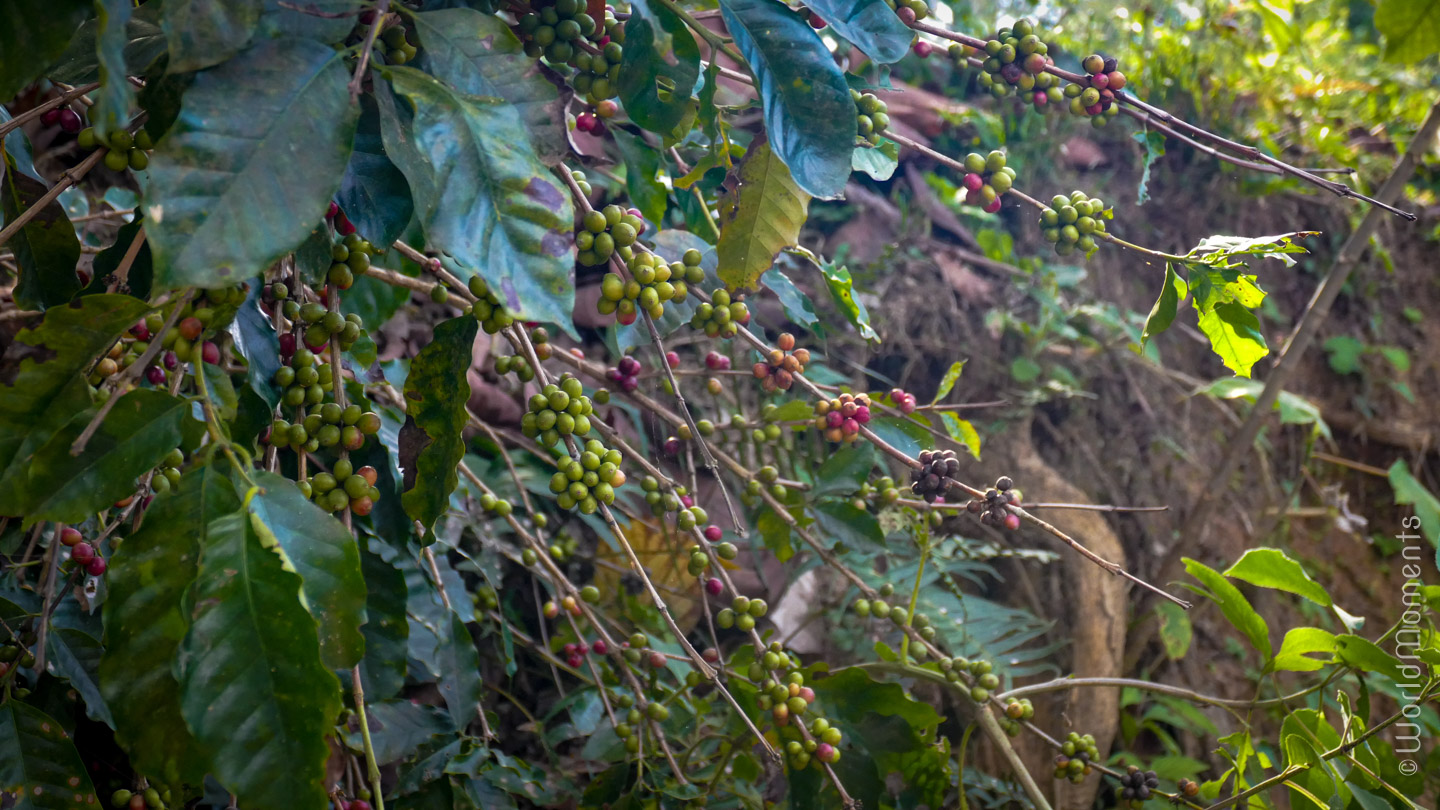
(259, 550)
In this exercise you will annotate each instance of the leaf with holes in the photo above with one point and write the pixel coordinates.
(809, 116)
(252, 687)
(759, 218)
(251, 163)
(431, 444)
(484, 197)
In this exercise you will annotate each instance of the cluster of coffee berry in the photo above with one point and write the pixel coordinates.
(1077, 754)
(997, 508)
(349, 257)
(558, 411)
(323, 325)
(823, 745)
(1135, 787)
(1072, 222)
(493, 505)
(65, 118)
(488, 309)
(904, 401)
(606, 231)
(329, 425)
(665, 502)
(625, 374)
(1015, 59)
(909, 11)
(343, 486)
(150, 798)
(398, 48)
(987, 177)
(589, 481)
(897, 613)
(872, 117)
(1095, 94)
(508, 363)
(167, 475)
(935, 474)
(652, 284)
(1188, 787)
(564, 33)
(787, 699)
(551, 609)
(580, 181)
(1016, 711)
(884, 488)
(200, 319)
(742, 613)
(126, 151)
(15, 655)
(842, 416)
(82, 554)
(699, 561)
(767, 476)
(781, 364)
(720, 317)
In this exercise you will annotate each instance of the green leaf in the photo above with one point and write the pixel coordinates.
(256, 340)
(1273, 568)
(870, 25)
(962, 431)
(775, 532)
(142, 267)
(46, 248)
(1234, 334)
(658, 70)
(250, 164)
(278, 21)
(844, 470)
(798, 306)
(850, 693)
(139, 431)
(902, 434)
(841, 521)
(1163, 313)
(324, 554)
(1176, 632)
(879, 162)
(841, 286)
(1411, 29)
(642, 167)
(16, 147)
(162, 98)
(74, 655)
(761, 216)
(431, 444)
(42, 387)
(32, 34)
(144, 42)
(478, 55)
(146, 620)
(115, 97)
(1299, 643)
(382, 672)
(1233, 604)
(947, 383)
(1344, 353)
(1293, 409)
(1154, 143)
(373, 193)
(809, 115)
(202, 33)
(1427, 506)
(252, 687)
(38, 763)
(398, 728)
(459, 674)
(1221, 251)
(484, 197)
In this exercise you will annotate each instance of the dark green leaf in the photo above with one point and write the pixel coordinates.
(277, 20)
(642, 165)
(115, 96)
(139, 431)
(850, 694)
(1273, 568)
(759, 218)
(484, 197)
(1234, 334)
(478, 55)
(1427, 507)
(382, 672)
(313, 256)
(844, 471)
(1166, 306)
(1233, 604)
(161, 99)
(870, 24)
(324, 554)
(841, 521)
(144, 43)
(107, 261)
(75, 655)
(16, 147)
(1154, 143)
(38, 763)
(250, 164)
(256, 341)
(1411, 29)
(46, 248)
(373, 193)
(41, 384)
(431, 444)
(32, 34)
(902, 434)
(201, 33)
(252, 687)
(659, 68)
(146, 620)
(398, 728)
(459, 673)
(809, 116)
(798, 306)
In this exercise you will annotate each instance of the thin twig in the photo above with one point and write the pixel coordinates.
(68, 179)
(381, 8)
(41, 109)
